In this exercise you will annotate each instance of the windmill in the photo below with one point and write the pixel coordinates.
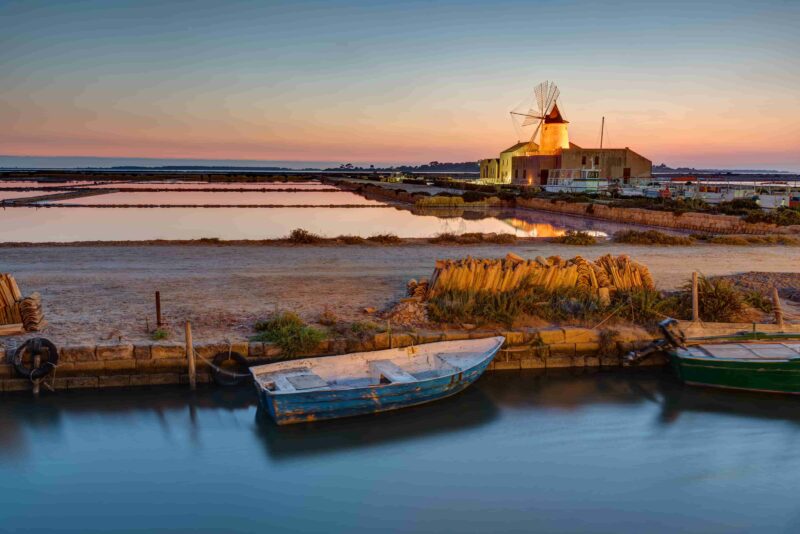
(541, 109)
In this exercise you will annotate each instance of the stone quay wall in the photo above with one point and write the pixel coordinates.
(693, 221)
(111, 365)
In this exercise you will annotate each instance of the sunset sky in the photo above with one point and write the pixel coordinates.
(686, 83)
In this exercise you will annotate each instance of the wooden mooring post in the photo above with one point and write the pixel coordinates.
(695, 299)
(190, 357)
(776, 308)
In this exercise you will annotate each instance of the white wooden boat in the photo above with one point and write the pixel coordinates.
(368, 382)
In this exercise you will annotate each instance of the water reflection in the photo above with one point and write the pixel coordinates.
(609, 451)
(469, 410)
(495, 393)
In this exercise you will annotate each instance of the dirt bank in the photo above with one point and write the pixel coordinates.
(95, 293)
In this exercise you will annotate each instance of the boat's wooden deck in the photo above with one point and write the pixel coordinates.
(746, 351)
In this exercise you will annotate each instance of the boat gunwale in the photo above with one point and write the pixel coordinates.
(488, 355)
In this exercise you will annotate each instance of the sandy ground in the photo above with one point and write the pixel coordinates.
(95, 293)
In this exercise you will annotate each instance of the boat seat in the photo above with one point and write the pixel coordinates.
(446, 365)
(307, 381)
(390, 371)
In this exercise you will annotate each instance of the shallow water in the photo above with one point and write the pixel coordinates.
(306, 184)
(64, 224)
(606, 452)
(223, 198)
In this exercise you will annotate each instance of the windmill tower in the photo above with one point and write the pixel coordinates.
(542, 110)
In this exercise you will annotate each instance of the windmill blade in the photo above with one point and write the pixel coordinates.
(528, 118)
(552, 96)
(536, 131)
(532, 119)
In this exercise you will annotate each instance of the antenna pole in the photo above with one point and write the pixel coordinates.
(602, 129)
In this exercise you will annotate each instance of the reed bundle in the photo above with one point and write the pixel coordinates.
(18, 314)
(500, 275)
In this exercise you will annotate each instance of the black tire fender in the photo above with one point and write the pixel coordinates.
(43, 347)
(224, 378)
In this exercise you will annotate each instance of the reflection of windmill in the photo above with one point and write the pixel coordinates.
(542, 110)
(454, 226)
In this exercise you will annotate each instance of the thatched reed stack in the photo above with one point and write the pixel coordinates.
(500, 275)
(18, 314)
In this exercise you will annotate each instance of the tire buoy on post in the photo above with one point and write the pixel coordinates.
(223, 377)
(43, 356)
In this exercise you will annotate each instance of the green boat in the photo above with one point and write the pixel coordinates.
(750, 361)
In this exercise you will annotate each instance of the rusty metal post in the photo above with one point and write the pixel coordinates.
(776, 307)
(37, 361)
(190, 357)
(695, 299)
(158, 309)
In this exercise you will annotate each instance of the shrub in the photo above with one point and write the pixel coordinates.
(745, 240)
(288, 331)
(159, 334)
(719, 300)
(474, 196)
(646, 306)
(328, 318)
(351, 239)
(756, 299)
(651, 237)
(576, 238)
(299, 236)
(782, 216)
(385, 239)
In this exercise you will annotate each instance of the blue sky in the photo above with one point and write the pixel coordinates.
(701, 83)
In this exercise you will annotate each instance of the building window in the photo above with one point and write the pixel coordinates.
(583, 160)
(597, 160)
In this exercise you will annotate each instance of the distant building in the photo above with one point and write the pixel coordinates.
(527, 163)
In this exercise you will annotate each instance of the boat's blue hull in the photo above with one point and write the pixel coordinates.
(317, 405)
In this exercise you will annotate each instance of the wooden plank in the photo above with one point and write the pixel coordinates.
(391, 371)
(307, 381)
(11, 329)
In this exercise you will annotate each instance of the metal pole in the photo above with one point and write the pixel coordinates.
(158, 309)
(695, 299)
(37, 361)
(190, 357)
(776, 307)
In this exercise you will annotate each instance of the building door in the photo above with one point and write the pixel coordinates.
(543, 177)
(626, 175)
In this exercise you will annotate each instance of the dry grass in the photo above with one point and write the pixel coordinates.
(473, 238)
(753, 240)
(385, 239)
(651, 237)
(578, 238)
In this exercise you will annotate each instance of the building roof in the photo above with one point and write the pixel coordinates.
(555, 116)
(522, 144)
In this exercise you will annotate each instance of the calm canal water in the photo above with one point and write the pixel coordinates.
(605, 452)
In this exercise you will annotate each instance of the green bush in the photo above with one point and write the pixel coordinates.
(782, 216)
(299, 236)
(719, 300)
(385, 239)
(576, 238)
(289, 332)
(351, 239)
(651, 237)
(159, 334)
(646, 306)
(756, 299)
(474, 196)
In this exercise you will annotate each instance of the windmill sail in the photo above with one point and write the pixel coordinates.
(532, 111)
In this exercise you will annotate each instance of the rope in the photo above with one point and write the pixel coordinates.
(220, 369)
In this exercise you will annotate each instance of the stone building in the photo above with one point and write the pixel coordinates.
(527, 163)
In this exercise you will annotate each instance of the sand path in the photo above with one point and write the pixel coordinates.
(93, 293)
